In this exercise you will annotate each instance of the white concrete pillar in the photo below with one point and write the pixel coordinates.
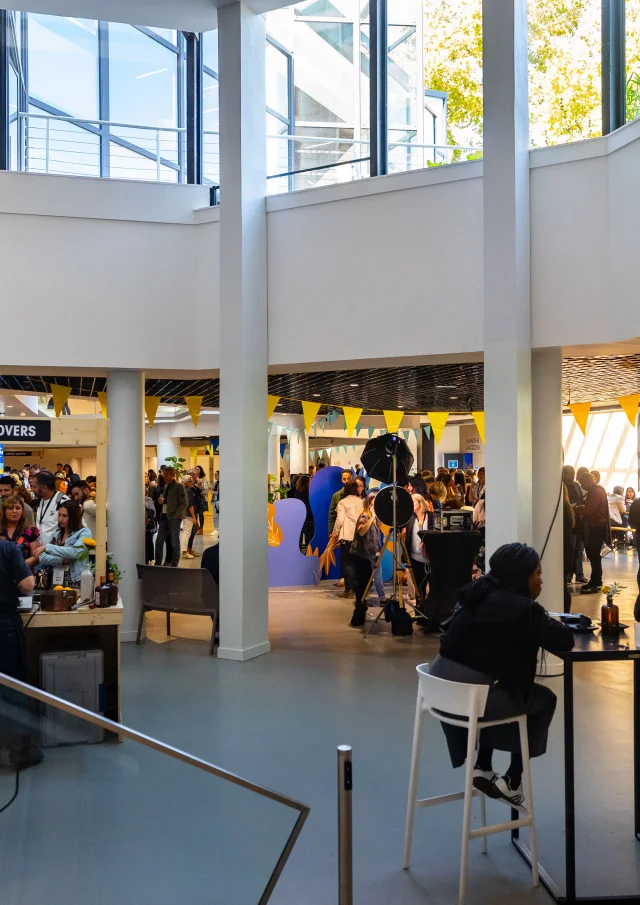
(167, 444)
(546, 367)
(274, 451)
(244, 593)
(507, 301)
(125, 487)
(299, 446)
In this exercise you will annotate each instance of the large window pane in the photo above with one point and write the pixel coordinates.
(565, 91)
(633, 58)
(169, 34)
(211, 127)
(277, 81)
(69, 150)
(126, 164)
(13, 119)
(63, 63)
(210, 50)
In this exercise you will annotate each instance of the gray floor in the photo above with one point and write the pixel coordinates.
(277, 720)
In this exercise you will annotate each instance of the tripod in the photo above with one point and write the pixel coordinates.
(398, 561)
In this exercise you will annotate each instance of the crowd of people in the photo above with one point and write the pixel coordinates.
(175, 512)
(48, 516)
(589, 515)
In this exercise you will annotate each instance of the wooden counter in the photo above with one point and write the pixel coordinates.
(83, 629)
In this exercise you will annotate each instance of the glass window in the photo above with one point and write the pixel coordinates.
(322, 9)
(632, 38)
(210, 50)
(337, 35)
(277, 148)
(63, 63)
(126, 164)
(565, 90)
(13, 119)
(277, 81)
(211, 128)
(169, 34)
(72, 150)
(402, 76)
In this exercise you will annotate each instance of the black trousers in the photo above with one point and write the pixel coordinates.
(169, 533)
(539, 704)
(593, 545)
(362, 572)
(148, 546)
(346, 565)
(13, 646)
(421, 573)
(569, 556)
(578, 565)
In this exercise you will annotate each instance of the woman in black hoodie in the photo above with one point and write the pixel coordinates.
(493, 638)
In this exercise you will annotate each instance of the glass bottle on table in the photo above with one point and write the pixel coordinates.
(610, 617)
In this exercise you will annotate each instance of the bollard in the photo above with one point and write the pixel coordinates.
(345, 832)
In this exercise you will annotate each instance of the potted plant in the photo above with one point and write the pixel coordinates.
(610, 614)
(177, 464)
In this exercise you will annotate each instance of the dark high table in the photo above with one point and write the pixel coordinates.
(590, 648)
(451, 555)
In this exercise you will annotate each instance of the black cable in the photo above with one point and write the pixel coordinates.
(29, 621)
(17, 789)
(555, 514)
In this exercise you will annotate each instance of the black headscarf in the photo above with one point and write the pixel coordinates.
(510, 568)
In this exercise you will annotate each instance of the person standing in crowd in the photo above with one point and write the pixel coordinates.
(49, 499)
(595, 517)
(576, 498)
(14, 528)
(66, 546)
(81, 493)
(173, 500)
(190, 518)
(335, 499)
(361, 485)
(477, 489)
(617, 508)
(634, 524)
(312, 470)
(629, 497)
(302, 493)
(15, 580)
(9, 488)
(344, 529)
(203, 486)
(569, 543)
(150, 527)
(419, 521)
(455, 498)
(364, 550)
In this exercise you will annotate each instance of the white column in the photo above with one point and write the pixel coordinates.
(167, 444)
(125, 487)
(507, 302)
(546, 375)
(274, 451)
(299, 446)
(244, 593)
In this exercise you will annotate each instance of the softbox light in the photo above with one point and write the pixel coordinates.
(378, 455)
(383, 506)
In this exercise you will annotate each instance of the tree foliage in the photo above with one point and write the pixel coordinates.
(564, 67)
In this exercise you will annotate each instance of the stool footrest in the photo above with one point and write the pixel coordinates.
(500, 828)
(445, 799)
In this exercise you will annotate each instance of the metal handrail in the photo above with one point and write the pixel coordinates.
(326, 166)
(99, 122)
(118, 729)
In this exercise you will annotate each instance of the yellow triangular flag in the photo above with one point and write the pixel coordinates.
(392, 420)
(103, 403)
(194, 404)
(151, 404)
(351, 418)
(60, 396)
(580, 411)
(630, 406)
(309, 412)
(272, 401)
(478, 417)
(438, 423)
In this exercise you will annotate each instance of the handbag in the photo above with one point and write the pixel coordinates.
(401, 621)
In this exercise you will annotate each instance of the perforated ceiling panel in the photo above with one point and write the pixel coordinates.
(451, 387)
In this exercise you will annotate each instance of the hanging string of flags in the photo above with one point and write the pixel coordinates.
(629, 405)
(60, 395)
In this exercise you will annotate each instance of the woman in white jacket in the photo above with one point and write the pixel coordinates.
(347, 513)
(616, 506)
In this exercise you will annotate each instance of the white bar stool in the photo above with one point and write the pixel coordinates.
(442, 698)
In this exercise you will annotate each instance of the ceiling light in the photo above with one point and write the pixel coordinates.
(9, 406)
(354, 384)
(22, 415)
(453, 397)
(316, 394)
(446, 386)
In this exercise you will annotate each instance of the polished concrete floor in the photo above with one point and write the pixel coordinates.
(278, 720)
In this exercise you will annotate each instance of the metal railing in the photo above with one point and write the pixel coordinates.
(21, 719)
(68, 145)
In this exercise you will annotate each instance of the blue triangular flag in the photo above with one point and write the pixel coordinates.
(416, 432)
(405, 434)
(427, 430)
(370, 431)
(287, 431)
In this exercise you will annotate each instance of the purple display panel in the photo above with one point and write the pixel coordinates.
(323, 486)
(287, 565)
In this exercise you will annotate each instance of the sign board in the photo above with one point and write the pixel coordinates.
(1, 457)
(21, 429)
(472, 444)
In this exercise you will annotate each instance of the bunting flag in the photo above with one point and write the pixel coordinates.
(370, 431)
(351, 418)
(359, 427)
(287, 431)
(580, 411)
(416, 433)
(630, 406)
(392, 420)
(272, 401)
(405, 434)
(322, 424)
(103, 403)
(151, 404)
(478, 417)
(427, 429)
(194, 404)
(193, 452)
(438, 423)
(60, 397)
(309, 412)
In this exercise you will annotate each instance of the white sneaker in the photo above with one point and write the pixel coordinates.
(484, 781)
(514, 797)
(605, 551)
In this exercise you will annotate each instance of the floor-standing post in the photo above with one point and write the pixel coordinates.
(243, 328)
(274, 452)
(546, 376)
(507, 303)
(299, 447)
(125, 487)
(345, 830)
